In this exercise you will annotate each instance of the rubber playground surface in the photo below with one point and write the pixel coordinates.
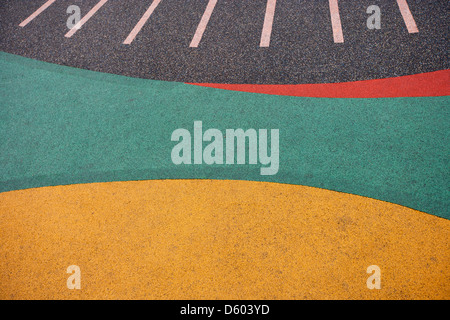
(87, 175)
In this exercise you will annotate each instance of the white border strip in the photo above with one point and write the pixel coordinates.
(336, 22)
(268, 23)
(141, 22)
(36, 13)
(407, 16)
(203, 23)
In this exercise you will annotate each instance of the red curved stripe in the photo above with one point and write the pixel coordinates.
(419, 85)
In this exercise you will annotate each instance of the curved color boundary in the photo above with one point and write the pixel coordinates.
(63, 125)
(209, 239)
(429, 84)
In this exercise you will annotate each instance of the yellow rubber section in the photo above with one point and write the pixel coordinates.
(203, 239)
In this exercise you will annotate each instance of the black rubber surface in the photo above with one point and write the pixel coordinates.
(301, 50)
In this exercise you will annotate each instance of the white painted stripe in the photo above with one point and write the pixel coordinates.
(336, 22)
(36, 13)
(141, 22)
(407, 16)
(268, 22)
(85, 18)
(203, 23)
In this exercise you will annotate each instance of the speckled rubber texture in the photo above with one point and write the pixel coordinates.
(206, 239)
(301, 49)
(61, 125)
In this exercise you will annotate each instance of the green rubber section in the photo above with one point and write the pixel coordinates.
(61, 125)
